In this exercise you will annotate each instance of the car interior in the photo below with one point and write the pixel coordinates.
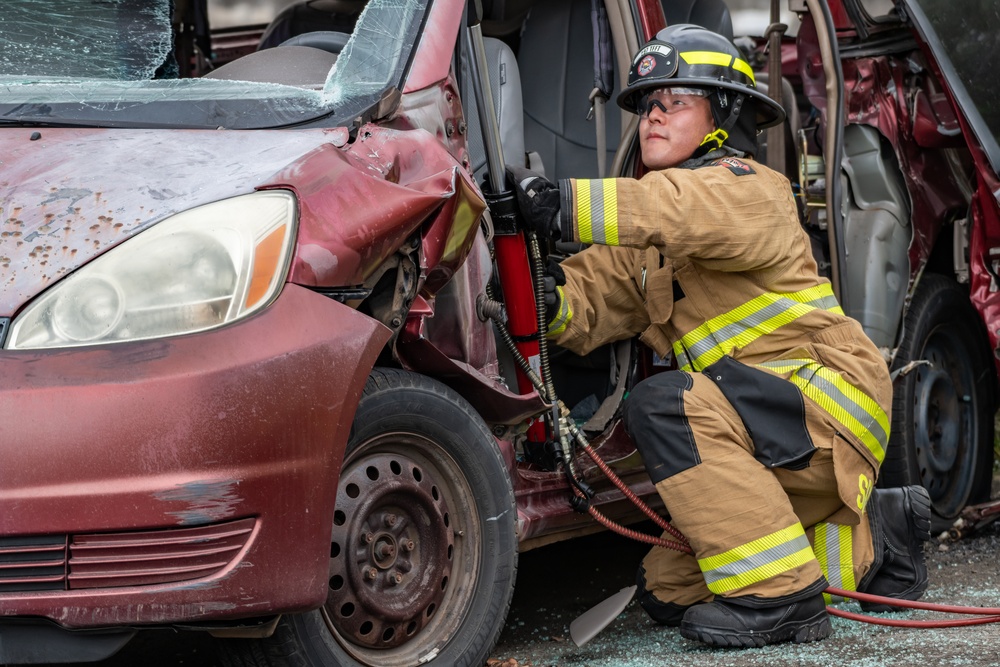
(540, 61)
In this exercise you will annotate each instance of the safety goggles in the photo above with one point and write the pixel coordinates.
(657, 97)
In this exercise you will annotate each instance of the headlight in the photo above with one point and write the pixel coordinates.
(193, 271)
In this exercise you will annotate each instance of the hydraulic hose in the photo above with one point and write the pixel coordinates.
(615, 527)
(543, 348)
(907, 623)
(914, 604)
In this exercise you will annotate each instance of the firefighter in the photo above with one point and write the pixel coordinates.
(765, 445)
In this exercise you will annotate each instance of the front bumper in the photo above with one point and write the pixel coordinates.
(183, 479)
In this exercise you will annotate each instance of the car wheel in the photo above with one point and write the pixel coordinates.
(423, 554)
(942, 410)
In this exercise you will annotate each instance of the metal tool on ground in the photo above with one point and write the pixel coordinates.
(586, 626)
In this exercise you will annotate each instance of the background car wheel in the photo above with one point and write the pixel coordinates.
(423, 555)
(942, 412)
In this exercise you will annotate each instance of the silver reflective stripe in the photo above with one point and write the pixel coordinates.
(835, 553)
(683, 360)
(559, 322)
(826, 303)
(597, 211)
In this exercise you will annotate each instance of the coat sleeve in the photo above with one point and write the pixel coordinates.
(719, 216)
(602, 299)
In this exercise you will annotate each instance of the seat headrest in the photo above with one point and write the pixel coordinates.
(327, 40)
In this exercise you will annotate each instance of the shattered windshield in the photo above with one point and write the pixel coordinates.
(114, 62)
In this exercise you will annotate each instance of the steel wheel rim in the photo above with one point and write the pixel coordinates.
(944, 422)
(424, 560)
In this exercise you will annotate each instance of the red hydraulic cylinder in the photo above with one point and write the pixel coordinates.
(522, 319)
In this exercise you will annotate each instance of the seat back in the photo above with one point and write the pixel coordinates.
(505, 85)
(556, 58)
(711, 14)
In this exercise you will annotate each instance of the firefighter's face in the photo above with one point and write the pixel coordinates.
(673, 123)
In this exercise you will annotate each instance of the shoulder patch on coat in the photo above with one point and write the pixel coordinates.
(738, 167)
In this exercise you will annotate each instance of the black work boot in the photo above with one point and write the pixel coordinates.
(725, 623)
(901, 522)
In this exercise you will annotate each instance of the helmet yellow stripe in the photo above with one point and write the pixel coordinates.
(707, 58)
(719, 59)
(744, 66)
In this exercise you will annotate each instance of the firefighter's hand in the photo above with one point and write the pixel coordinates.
(537, 200)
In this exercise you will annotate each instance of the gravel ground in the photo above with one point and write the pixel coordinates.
(583, 573)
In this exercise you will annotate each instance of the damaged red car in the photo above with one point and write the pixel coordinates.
(270, 355)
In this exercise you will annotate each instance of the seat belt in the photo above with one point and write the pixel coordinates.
(604, 80)
(775, 134)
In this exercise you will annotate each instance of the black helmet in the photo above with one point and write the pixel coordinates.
(689, 55)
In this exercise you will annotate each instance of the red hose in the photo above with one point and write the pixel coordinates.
(905, 623)
(913, 604)
(631, 495)
(634, 534)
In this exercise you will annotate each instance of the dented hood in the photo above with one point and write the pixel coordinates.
(67, 195)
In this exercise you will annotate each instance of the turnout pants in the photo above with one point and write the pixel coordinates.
(770, 496)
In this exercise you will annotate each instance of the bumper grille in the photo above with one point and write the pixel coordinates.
(112, 560)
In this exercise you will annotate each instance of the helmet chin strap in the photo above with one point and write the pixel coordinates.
(718, 137)
(715, 139)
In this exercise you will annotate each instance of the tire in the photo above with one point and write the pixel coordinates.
(440, 515)
(942, 413)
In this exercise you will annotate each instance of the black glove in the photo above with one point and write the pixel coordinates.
(554, 278)
(537, 200)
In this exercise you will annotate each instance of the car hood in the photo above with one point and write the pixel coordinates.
(67, 195)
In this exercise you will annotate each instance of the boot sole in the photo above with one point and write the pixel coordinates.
(811, 630)
(920, 524)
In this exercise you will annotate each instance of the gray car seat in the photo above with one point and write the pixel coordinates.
(556, 59)
(505, 84)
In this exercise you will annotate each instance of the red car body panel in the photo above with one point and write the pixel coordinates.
(248, 420)
(409, 174)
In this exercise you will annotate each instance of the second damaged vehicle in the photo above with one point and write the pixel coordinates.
(267, 357)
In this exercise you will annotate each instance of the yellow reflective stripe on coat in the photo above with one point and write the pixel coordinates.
(563, 315)
(597, 211)
(746, 323)
(834, 550)
(757, 561)
(847, 404)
